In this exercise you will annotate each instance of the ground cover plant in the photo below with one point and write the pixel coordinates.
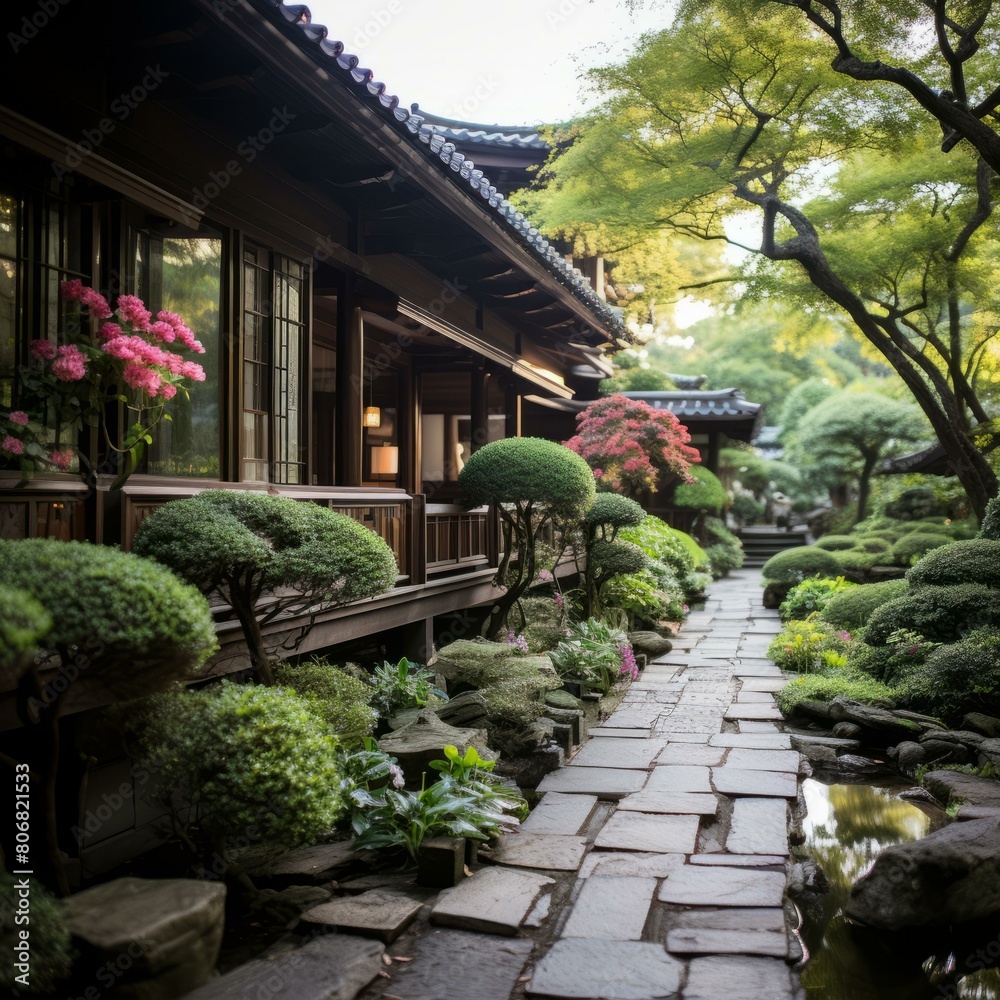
(595, 654)
(809, 646)
(812, 595)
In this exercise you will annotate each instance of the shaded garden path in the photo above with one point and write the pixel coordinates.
(654, 865)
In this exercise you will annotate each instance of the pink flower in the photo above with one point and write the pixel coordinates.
(132, 310)
(168, 391)
(138, 376)
(61, 458)
(13, 445)
(163, 331)
(44, 350)
(545, 576)
(18, 417)
(71, 290)
(598, 473)
(96, 303)
(559, 599)
(70, 366)
(181, 331)
(109, 331)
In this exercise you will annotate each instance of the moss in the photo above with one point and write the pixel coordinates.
(817, 687)
(51, 948)
(911, 547)
(852, 608)
(835, 543)
(341, 700)
(973, 561)
(796, 565)
(871, 543)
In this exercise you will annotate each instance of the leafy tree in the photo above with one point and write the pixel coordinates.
(856, 430)
(630, 444)
(243, 546)
(528, 482)
(736, 112)
(606, 555)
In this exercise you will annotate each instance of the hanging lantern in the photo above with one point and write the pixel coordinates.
(372, 417)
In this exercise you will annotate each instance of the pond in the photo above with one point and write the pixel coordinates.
(846, 828)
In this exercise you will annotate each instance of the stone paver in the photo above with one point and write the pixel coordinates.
(739, 860)
(752, 741)
(560, 813)
(726, 977)
(604, 782)
(627, 753)
(618, 733)
(764, 760)
(690, 753)
(606, 970)
(693, 886)
(634, 864)
(633, 831)
(376, 914)
(679, 778)
(551, 851)
(743, 781)
(739, 711)
(494, 900)
(612, 908)
(759, 826)
(697, 803)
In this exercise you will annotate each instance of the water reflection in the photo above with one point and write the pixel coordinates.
(846, 828)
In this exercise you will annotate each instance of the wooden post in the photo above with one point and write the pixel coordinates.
(479, 407)
(350, 388)
(512, 410)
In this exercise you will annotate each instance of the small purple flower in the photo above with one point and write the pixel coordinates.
(628, 664)
(396, 772)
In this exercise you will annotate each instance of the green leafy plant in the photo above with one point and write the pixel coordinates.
(801, 645)
(851, 608)
(342, 700)
(593, 653)
(812, 595)
(463, 767)
(400, 685)
(724, 549)
(367, 770)
(838, 684)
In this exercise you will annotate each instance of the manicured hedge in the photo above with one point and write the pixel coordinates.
(959, 678)
(852, 608)
(835, 543)
(976, 560)
(794, 565)
(915, 545)
(940, 614)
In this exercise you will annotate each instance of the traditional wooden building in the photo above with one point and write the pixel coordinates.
(372, 306)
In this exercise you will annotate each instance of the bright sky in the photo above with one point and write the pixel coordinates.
(513, 62)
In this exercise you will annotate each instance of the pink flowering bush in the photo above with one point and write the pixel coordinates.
(124, 359)
(631, 446)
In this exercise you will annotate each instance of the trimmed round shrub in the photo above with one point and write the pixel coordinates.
(659, 541)
(615, 511)
(51, 946)
(890, 535)
(959, 678)
(991, 521)
(976, 560)
(246, 758)
(939, 614)
(856, 562)
(871, 543)
(528, 470)
(706, 493)
(811, 596)
(337, 697)
(819, 687)
(725, 550)
(851, 608)
(796, 565)
(835, 543)
(610, 558)
(911, 547)
(23, 625)
(136, 621)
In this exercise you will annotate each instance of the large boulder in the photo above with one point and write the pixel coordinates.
(651, 643)
(949, 877)
(988, 725)
(424, 740)
(161, 936)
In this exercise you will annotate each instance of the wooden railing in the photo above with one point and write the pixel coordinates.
(43, 507)
(457, 538)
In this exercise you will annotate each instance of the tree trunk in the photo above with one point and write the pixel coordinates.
(245, 608)
(864, 486)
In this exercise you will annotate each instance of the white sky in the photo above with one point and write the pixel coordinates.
(511, 62)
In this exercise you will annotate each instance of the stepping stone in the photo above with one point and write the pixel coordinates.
(376, 914)
(770, 684)
(746, 726)
(697, 738)
(627, 753)
(729, 932)
(494, 901)
(559, 813)
(678, 803)
(633, 865)
(752, 741)
(331, 967)
(738, 978)
(739, 860)
(541, 850)
(759, 826)
(679, 778)
(604, 782)
(743, 781)
(612, 908)
(738, 711)
(708, 886)
(632, 831)
(624, 734)
(606, 970)
(451, 963)
(764, 760)
(310, 862)
(747, 669)
(746, 697)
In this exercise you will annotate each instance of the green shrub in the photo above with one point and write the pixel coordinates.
(796, 565)
(725, 550)
(857, 562)
(812, 595)
(544, 622)
(973, 561)
(140, 625)
(852, 608)
(872, 543)
(959, 678)
(991, 521)
(640, 595)
(840, 684)
(50, 944)
(336, 696)
(23, 625)
(911, 547)
(940, 614)
(706, 493)
(593, 653)
(615, 511)
(807, 646)
(834, 543)
(619, 556)
(245, 758)
(659, 541)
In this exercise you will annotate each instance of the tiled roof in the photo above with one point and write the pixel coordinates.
(514, 136)
(345, 67)
(721, 404)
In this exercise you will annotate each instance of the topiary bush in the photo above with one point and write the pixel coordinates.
(706, 493)
(610, 558)
(675, 549)
(245, 758)
(51, 947)
(337, 697)
(991, 521)
(872, 543)
(840, 684)
(725, 550)
(835, 543)
(23, 625)
(241, 545)
(939, 614)
(958, 678)
(612, 511)
(811, 596)
(796, 565)
(911, 547)
(856, 562)
(851, 608)
(974, 561)
(528, 481)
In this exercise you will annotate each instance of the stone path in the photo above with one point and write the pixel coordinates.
(654, 865)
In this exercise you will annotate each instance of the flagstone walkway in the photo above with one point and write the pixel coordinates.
(655, 864)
